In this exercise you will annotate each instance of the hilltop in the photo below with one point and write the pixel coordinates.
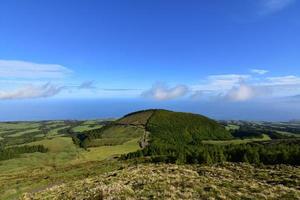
(151, 126)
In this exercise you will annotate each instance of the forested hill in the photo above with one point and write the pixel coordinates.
(168, 127)
(174, 127)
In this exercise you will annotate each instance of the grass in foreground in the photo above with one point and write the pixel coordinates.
(166, 181)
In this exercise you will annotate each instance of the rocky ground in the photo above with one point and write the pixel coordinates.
(169, 181)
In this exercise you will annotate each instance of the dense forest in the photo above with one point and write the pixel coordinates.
(174, 127)
(283, 152)
(249, 131)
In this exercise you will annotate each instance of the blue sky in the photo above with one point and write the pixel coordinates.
(239, 53)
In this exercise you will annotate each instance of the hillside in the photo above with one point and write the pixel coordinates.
(169, 181)
(136, 118)
(170, 128)
(187, 128)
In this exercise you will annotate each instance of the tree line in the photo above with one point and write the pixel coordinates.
(256, 153)
(248, 131)
(14, 152)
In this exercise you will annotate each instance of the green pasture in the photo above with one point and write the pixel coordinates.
(19, 125)
(238, 141)
(87, 127)
(20, 133)
(232, 127)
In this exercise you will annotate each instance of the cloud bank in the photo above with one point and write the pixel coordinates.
(235, 87)
(284, 80)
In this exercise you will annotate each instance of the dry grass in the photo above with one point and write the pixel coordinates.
(166, 181)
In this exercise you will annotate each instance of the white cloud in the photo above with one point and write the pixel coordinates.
(283, 80)
(233, 87)
(219, 83)
(238, 85)
(272, 6)
(24, 69)
(241, 93)
(31, 91)
(162, 92)
(245, 92)
(259, 71)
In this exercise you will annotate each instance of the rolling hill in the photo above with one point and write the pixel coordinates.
(168, 127)
(157, 131)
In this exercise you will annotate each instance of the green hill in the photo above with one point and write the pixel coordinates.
(187, 128)
(159, 129)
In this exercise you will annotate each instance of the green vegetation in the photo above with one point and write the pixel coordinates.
(20, 133)
(182, 138)
(115, 135)
(169, 181)
(261, 138)
(83, 128)
(232, 127)
(288, 134)
(46, 159)
(173, 128)
(27, 163)
(103, 152)
(18, 125)
(284, 152)
(55, 131)
(14, 152)
(136, 118)
(166, 126)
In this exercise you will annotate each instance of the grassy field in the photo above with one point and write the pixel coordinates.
(20, 133)
(54, 132)
(85, 127)
(16, 133)
(104, 152)
(114, 135)
(232, 127)
(169, 181)
(238, 141)
(18, 125)
(288, 133)
(62, 162)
